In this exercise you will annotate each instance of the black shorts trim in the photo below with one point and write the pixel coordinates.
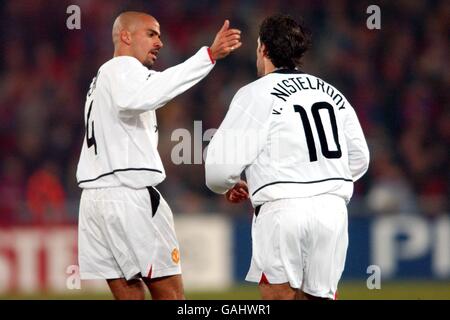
(119, 170)
(257, 209)
(155, 198)
(301, 182)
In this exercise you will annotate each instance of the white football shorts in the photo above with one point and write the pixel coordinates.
(302, 241)
(126, 233)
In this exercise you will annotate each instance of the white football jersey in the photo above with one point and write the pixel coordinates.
(293, 134)
(120, 146)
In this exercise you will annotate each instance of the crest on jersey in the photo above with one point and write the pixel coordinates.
(175, 255)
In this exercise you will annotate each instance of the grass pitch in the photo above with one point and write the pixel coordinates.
(348, 290)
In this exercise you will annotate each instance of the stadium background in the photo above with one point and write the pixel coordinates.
(397, 78)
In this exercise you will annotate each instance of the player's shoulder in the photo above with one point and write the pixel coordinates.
(121, 63)
(294, 76)
(270, 81)
(319, 85)
(254, 88)
(322, 83)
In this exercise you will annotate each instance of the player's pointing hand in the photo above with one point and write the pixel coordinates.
(226, 41)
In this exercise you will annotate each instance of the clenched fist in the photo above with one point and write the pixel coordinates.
(238, 193)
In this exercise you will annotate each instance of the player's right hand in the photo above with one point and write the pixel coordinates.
(227, 40)
(238, 193)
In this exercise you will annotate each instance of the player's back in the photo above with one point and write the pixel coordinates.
(311, 132)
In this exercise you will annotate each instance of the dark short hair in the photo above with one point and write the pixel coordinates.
(286, 40)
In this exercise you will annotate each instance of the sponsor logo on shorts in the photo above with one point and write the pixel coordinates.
(175, 255)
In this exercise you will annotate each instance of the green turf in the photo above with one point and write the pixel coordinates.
(355, 290)
(403, 290)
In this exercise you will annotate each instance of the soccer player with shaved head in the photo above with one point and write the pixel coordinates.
(126, 228)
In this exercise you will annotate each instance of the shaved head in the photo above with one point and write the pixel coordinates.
(128, 21)
(137, 34)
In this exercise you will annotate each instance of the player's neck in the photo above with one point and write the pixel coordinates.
(122, 52)
(268, 66)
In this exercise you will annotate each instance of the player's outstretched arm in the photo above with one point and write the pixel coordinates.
(137, 90)
(226, 41)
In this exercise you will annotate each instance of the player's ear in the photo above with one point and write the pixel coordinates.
(263, 49)
(125, 36)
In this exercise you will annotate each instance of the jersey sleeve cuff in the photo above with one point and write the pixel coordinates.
(210, 56)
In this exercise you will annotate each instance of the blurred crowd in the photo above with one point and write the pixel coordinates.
(397, 78)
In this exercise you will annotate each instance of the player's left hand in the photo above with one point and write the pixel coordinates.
(238, 193)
